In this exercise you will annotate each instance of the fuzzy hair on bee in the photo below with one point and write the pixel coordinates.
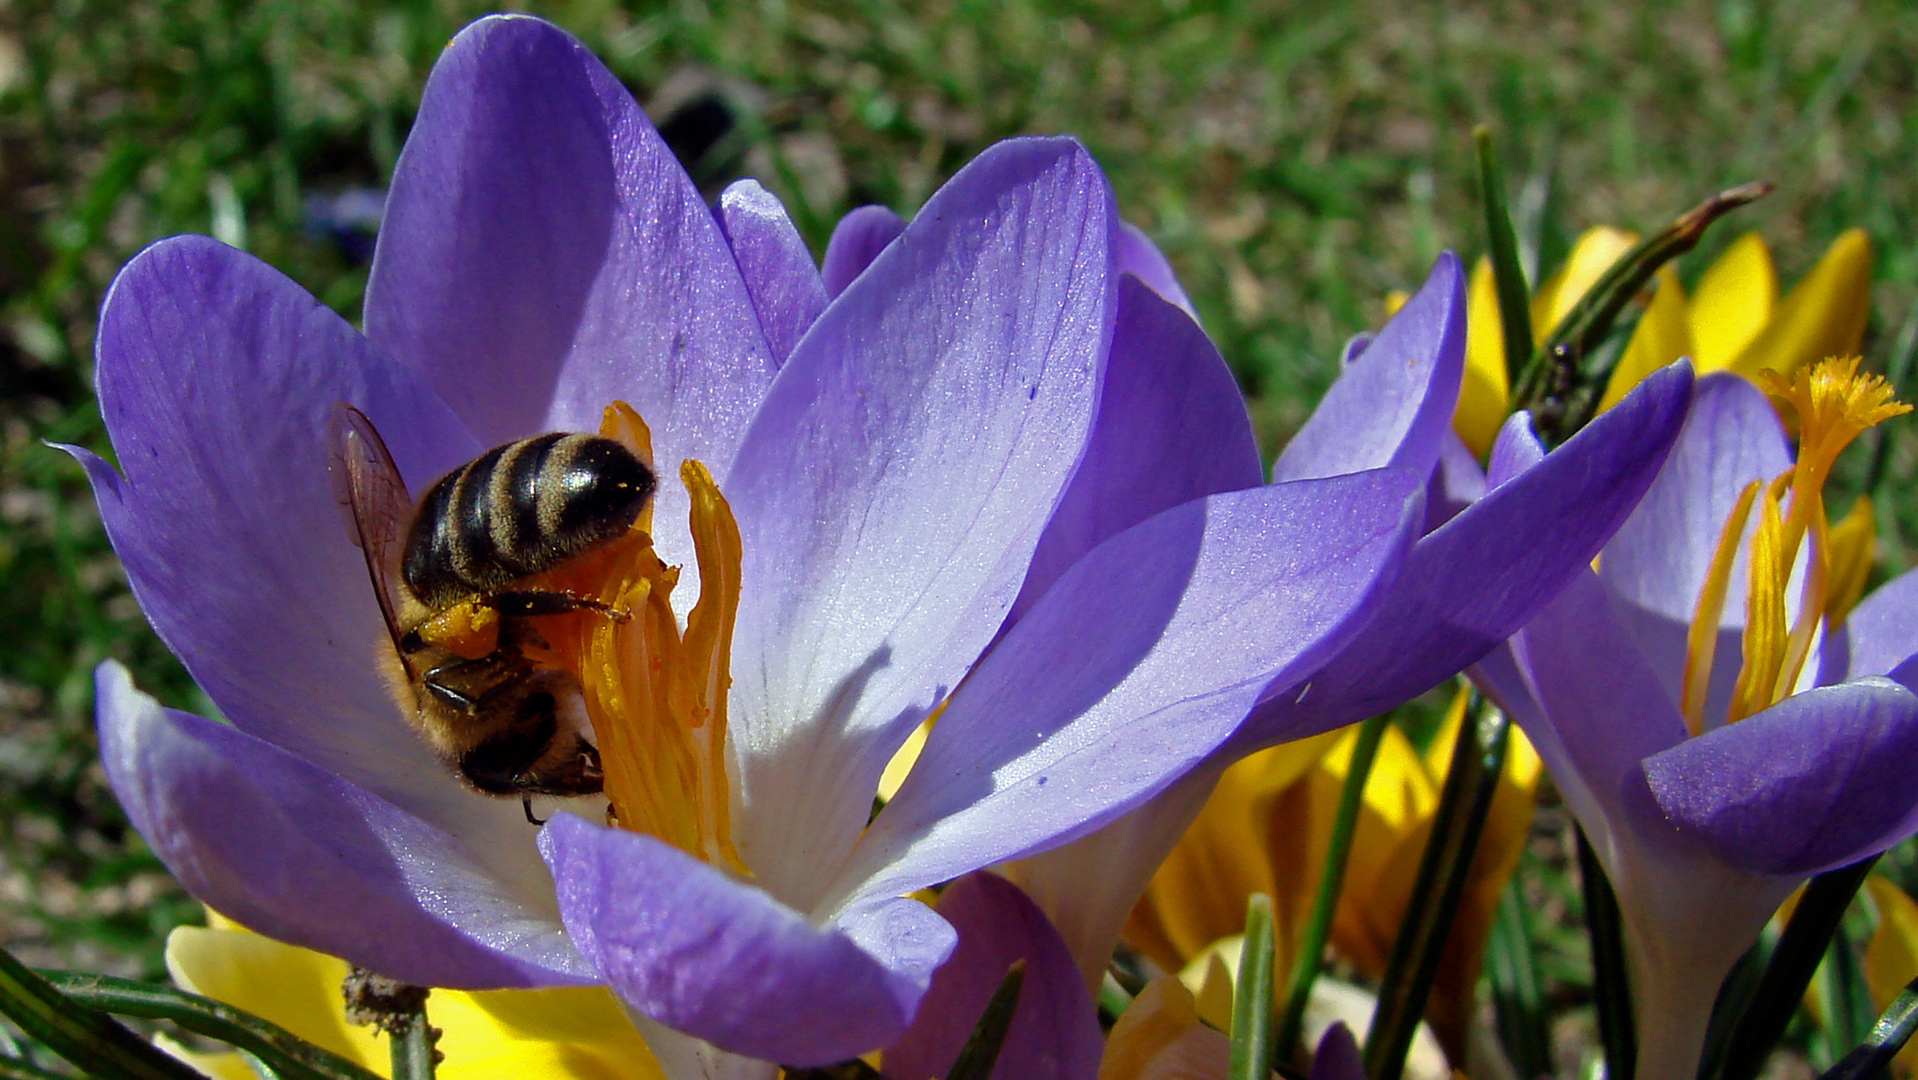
(452, 576)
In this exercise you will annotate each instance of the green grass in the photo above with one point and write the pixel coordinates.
(1295, 163)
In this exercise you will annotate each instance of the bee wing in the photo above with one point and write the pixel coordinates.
(377, 508)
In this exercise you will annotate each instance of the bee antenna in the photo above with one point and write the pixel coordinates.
(526, 801)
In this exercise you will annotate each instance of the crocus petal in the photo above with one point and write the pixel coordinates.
(720, 960)
(1172, 427)
(1089, 887)
(1160, 1037)
(911, 450)
(774, 262)
(856, 241)
(1733, 303)
(1356, 345)
(1514, 451)
(1823, 315)
(1054, 1033)
(1457, 482)
(1882, 632)
(1338, 1055)
(1134, 253)
(219, 380)
(1659, 558)
(1473, 582)
(1114, 684)
(1687, 917)
(543, 255)
(1818, 780)
(563, 1033)
(1588, 703)
(1392, 404)
(287, 848)
(1657, 562)
(1574, 683)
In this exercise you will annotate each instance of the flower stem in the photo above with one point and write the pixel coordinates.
(95, 1042)
(1561, 389)
(1477, 760)
(981, 1053)
(285, 1053)
(1611, 984)
(399, 1010)
(1310, 957)
(11, 1069)
(1674, 1001)
(1873, 1057)
(413, 1055)
(1800, 948)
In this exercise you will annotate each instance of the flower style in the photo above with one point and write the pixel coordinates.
(1267, 826)
(1735, 322)
(1710, 703)
(875, 478)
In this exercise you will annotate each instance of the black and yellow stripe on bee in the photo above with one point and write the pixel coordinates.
(518, 510)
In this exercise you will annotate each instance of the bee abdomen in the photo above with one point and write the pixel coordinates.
(521, 509)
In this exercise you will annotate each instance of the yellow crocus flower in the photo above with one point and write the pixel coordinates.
(1267, 826)
(570, 1033)
(1735, 321)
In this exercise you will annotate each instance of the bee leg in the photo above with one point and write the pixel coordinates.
(470, 685)
(498, 765)
(532, 602)
(527, 802)
(447, 695)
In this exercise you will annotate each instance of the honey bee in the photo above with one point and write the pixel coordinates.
(452, 581)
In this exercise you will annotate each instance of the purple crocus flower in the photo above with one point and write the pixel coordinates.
(1706, 804)
(1486, 563)
(887, 453)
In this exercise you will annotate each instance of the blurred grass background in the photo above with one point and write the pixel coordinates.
(1295, 161)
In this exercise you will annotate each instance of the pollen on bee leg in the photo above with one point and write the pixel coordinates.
(469, 629)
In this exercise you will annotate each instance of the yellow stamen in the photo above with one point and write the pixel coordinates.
(1833, 404)
(1701, 641)
(1851, 555)
(701, 694)
(657, 698)
(1764, 613)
